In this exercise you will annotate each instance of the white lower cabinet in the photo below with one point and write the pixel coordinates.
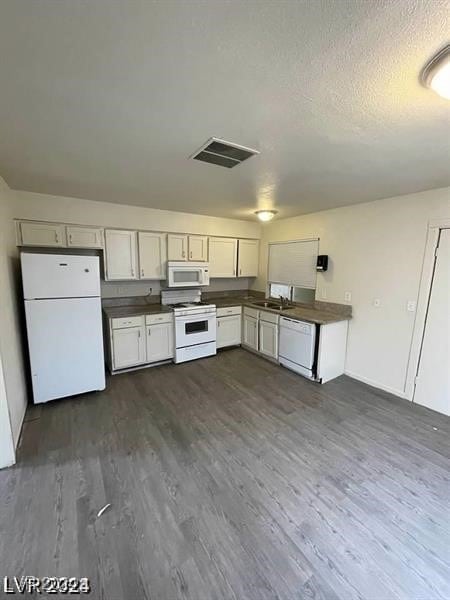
(250, 332)
(160, 340)
(229, 323)
(128, 347)
(140, 340)
(268, 339)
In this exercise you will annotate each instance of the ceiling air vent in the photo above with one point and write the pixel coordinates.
(222, 153)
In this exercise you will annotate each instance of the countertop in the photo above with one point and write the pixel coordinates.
(298, 312)
(118, 312)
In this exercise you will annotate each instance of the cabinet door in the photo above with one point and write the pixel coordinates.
(228, 331)
(152, 255)
(248, 258)
(159, 342)
(198, 247)
(128, 347)
(177, 247)
(121, 254)
(42, 234)
(222, 257)
(84, 237)
(268, 339)
(250, 333)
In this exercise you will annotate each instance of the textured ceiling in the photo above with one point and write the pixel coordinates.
(106, 100)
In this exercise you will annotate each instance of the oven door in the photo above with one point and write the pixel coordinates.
(186, 276)
(195, 329)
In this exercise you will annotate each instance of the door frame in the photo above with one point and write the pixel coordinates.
(426, 280)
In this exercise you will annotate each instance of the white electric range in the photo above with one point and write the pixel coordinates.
(195, 324)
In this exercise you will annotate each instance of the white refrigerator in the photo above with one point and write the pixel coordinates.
(64, 324)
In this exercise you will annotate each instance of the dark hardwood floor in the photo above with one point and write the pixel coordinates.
(232, 478)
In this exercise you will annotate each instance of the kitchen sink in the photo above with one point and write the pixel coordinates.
(270, 304)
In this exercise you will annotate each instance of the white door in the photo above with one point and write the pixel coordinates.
(121, 254)
(160, 342)
(250, 333)
(84, 237)
(152, 255)
(433, 377)
(268, 339)
(248, 258)
(42, 234)
(128, 347)
(222, 257)
(177, 247)
(198, 248)
(229, 331)
(66, 347)
(59, 276)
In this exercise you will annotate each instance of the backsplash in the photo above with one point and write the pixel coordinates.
(128, 289)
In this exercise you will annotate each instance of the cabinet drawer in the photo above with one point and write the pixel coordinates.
(228, 311)
(268, 317)
(158, 318)
(120, 323)
(251, 312)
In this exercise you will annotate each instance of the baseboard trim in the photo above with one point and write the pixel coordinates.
(376, 384)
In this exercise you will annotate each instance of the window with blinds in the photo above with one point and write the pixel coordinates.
(294, 263)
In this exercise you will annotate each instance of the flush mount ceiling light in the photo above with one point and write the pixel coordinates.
(265, 215)
(436, 74)
(222, 153)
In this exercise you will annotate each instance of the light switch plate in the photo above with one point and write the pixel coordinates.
(411, 306)
(348, 296)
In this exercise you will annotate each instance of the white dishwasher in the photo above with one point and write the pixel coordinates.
(297, 345)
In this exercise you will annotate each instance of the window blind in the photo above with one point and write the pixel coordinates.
(294, 263)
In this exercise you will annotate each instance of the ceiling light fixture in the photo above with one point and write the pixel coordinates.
(265, 215)
(436, 73)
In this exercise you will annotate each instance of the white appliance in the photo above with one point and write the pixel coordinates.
(195, 324)
(297, 346)
(64, 324)
(187, 274)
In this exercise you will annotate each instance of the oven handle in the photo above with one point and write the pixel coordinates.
(195, 318)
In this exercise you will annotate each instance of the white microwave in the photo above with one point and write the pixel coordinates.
(187, 274)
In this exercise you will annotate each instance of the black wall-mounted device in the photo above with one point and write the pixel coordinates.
(322, 262)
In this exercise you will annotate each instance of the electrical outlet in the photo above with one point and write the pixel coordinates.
(411, 306)
(348, 296)
(377, 302)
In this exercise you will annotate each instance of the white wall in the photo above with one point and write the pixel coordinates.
(10, 330)
(376, 250)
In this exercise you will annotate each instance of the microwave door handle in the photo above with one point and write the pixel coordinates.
(200, 276)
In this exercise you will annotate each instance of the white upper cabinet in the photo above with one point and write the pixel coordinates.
(42, 234)
(177, 247)
(222, 257)
(152, 255)
(198, 248)
(84, 237)
(121, 254)
(248, 258)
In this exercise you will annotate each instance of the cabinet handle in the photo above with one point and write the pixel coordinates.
(149, 331)
(139, 333)
(70, 237)
(240, 271)
(218, 323)
(132, 272)
(142, 272)
(56, 237)
(183, 254)
(191, 253)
